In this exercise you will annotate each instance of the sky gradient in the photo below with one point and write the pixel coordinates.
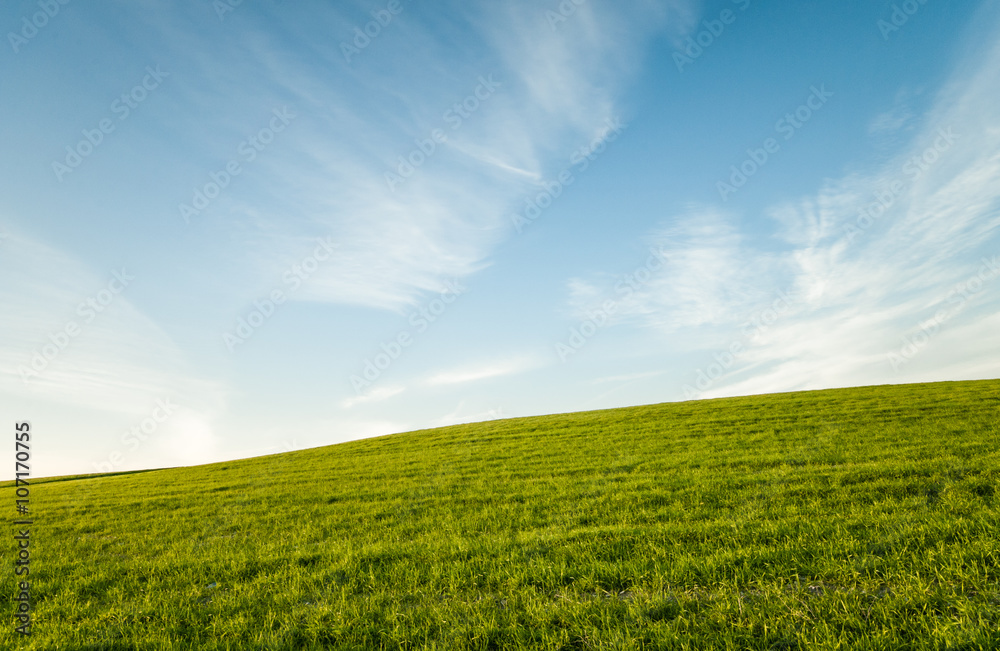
(233, 229)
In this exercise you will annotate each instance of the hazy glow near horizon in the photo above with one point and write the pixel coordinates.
(230, 229)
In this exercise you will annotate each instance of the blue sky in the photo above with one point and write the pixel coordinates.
(231, 229)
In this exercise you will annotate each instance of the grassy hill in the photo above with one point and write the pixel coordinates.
(860, 518)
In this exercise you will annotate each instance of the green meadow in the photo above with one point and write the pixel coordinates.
(865, 518)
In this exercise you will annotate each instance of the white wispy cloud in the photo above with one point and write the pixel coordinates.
(495, 369)
(378, 394)
(858, 285)
(702, 278)
(549, 91)
(899, 117)
(460, 415)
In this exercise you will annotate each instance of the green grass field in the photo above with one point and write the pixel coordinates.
(845, 519)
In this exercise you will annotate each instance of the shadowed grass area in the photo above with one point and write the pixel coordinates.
(858, 518)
